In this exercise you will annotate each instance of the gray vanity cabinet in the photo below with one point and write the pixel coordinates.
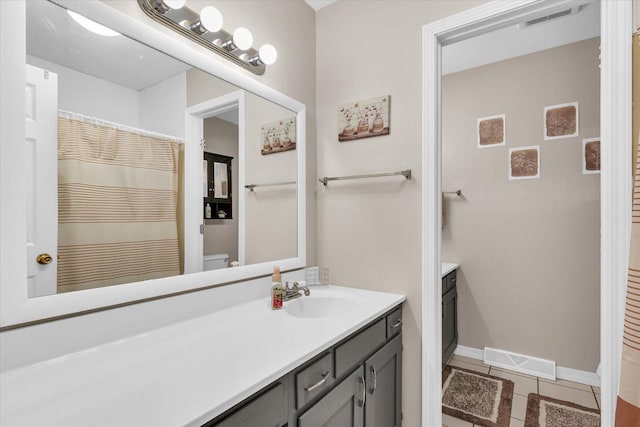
(449, 316)
(341, 407)
(355, 383)
(384, 386)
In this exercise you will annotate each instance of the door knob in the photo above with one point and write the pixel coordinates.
(44, 259)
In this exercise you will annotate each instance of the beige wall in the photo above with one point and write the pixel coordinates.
(529, 250)
(221, 235)
(369, 231)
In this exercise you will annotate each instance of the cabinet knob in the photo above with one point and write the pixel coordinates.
(44, 259)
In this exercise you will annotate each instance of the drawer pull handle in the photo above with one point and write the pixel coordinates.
(397, 324)
(318, 384)
(364, 391)
(374, 375)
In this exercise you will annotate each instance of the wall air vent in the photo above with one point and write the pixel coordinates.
(520, 363)
(543, 19)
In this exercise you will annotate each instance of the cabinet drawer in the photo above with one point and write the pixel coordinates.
(358, 347)
(267, 410)
(448, 282)
(314, 379)
(394, 323)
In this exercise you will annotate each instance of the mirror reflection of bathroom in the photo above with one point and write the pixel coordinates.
(107, 137)
(521, 240)
(220, 245)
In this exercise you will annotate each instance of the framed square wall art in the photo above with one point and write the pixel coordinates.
(364, 119)
(278, 136)
(491, 131)
(590, 156)
(561, 121)
(524, 162)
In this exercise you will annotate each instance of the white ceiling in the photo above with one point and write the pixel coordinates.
(54, 36)
(516, 41)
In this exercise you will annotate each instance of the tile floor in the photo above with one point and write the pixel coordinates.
(523, 385)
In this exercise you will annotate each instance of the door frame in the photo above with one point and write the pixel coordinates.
(194, 134)
(616, 183)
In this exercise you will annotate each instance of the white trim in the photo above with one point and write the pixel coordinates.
(16, 307)
(113, 125)
(562, 373)
(504, 130)
(529, 147)
(584, 158)
(615, 122)
(13, 223)
(615, 192)
(578, 376)
(544, 121)
(470, 352)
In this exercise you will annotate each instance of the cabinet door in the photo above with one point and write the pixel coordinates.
(384, 386)
(341, 407)
(449, 324)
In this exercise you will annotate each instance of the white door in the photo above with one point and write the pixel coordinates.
(41, 137)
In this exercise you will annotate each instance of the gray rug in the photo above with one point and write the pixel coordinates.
(544, 411)
(481, 399)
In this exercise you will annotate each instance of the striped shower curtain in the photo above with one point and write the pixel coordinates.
(117, 204)
(628, 406)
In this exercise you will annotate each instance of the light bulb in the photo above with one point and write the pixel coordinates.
(268, 54)
(211, 19)
(242, 38)
(92, 26)
(174, 4)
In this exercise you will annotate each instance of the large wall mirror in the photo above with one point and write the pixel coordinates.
(151, 168)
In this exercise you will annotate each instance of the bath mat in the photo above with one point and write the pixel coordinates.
(481, 399)
(544, 411)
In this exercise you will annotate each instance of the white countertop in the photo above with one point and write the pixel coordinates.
(183, 374)
(448, 267)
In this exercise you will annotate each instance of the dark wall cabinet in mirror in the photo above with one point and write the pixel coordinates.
(217, 202)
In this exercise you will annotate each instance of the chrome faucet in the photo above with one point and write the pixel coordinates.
(295, 291)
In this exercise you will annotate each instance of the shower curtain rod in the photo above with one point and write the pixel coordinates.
(101, 122)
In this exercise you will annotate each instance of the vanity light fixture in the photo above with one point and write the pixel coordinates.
(205, 29)
(92, 26)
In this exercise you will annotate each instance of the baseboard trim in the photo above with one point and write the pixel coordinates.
(578, 376)
(562, 373)
(473, 353)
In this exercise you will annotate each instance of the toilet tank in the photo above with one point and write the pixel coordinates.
(216, 261)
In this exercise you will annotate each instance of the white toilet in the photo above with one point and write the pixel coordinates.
(216, 261)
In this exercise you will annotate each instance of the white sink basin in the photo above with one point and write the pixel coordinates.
(319, 306)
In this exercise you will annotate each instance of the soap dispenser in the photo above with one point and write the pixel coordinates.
(277, 291)
(207, 211)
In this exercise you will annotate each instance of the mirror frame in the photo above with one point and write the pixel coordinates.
(16, 309)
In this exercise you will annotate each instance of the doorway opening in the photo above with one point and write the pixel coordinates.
(214, 218)
(615, 203)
